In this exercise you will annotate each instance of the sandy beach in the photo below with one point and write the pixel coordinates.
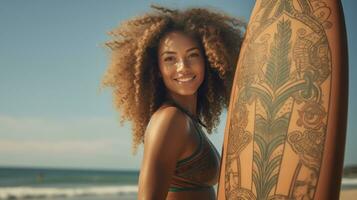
(348, 194)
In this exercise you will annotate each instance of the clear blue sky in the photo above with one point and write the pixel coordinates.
(52, 60)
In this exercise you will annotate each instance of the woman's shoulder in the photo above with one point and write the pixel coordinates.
(168, 116)
(166, 135)
(168, 121)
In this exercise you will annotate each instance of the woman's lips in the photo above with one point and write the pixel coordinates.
(185, 79)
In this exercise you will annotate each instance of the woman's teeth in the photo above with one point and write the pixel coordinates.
(185, 79)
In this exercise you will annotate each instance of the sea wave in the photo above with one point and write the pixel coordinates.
(46, 192)
(7, 193)
(349, 181)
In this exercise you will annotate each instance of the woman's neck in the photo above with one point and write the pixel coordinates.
(187, 102)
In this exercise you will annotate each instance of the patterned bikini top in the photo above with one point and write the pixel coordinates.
(200, 170)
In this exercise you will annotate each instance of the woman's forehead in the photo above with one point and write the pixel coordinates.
(176, 40)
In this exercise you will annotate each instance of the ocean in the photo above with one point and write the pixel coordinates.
(67, 184)
(75, 184)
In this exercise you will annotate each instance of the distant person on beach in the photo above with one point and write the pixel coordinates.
(171, 72)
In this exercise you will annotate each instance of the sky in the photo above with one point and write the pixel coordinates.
(52, 59)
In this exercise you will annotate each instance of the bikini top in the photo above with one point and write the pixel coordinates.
(200, 170)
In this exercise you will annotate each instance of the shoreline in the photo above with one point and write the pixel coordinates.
(348, 193)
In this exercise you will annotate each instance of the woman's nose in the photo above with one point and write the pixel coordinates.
(182, 65)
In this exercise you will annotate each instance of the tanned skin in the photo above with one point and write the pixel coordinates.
(286, 124)
(170, 136)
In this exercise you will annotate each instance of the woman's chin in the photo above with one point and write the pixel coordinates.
(186, 92)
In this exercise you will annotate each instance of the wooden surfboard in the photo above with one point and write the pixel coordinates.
(286, 123)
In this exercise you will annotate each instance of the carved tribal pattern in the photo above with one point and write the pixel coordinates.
(283, 85)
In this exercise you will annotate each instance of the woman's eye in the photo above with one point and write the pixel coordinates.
(169, 59)
(193, 55)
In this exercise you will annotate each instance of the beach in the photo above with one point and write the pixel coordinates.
(70, 184)
(348, 194)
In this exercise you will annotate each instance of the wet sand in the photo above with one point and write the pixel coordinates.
(348, 194)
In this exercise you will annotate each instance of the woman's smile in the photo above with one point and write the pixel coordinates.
(185, 79)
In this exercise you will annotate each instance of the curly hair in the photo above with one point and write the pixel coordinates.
(133, 71)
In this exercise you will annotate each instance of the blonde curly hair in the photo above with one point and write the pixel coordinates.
(133, 72)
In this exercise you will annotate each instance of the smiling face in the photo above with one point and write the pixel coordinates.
(181, 63)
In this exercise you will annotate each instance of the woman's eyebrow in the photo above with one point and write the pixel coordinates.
(168, 52)
(191, 49)
(173, 52)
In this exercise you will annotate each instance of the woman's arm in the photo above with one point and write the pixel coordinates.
(286, 124)
(164, 141)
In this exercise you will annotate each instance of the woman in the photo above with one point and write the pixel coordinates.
(171, 72)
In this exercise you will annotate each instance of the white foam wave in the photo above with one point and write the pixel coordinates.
(7, 193)
(349, 181)
(32, 192)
